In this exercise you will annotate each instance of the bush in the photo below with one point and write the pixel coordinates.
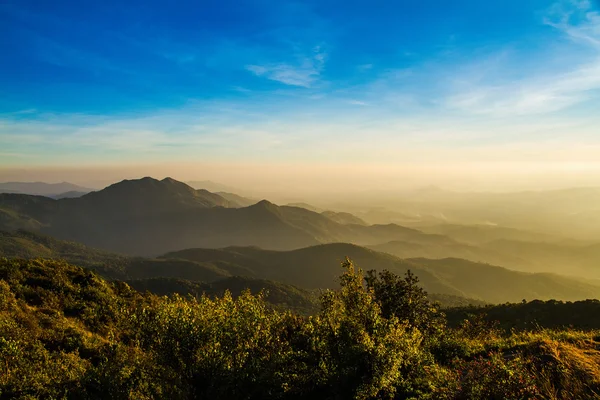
(404, 299)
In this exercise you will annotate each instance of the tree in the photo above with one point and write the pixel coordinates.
(361, 354)
(404, 299)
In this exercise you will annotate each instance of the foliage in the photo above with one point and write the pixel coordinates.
(495, 377)
(533, 314)
(405, 299)
(67, 333)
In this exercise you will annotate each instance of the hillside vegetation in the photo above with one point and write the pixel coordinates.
(533, 314)
(67, 333)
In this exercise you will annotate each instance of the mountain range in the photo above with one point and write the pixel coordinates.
(298, 272)
(55, 190)
(570, 212)
(150, 217)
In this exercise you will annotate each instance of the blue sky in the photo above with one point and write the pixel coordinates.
(381, 83)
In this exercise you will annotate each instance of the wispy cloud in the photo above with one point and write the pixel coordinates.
(358, 102)
(209, 134)
(304, 72)
(577, 19)
(536, 96)
(542, 91)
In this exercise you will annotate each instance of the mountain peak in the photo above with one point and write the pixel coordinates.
(149, 182)
(151, 193)
(266, 207)
(168, 179)
(265, 203)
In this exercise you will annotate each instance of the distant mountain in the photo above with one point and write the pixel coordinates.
(306, 206)
(318, 267)
(212, 186)
(451, 281)
(41, 188)
(478, 234)
(343, 218)
(69, 195)
(150, 217)
(151, 195)
(565, 257)
(240, 201)
(572, 213)
(448, 248)
(381, 215)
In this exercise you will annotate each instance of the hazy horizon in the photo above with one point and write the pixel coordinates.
(321, 182)
(300, 98)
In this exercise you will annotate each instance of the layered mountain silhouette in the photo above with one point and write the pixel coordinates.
(343, 218)
(43, 189)
(297, 272)
(150, 217)
(318, 267)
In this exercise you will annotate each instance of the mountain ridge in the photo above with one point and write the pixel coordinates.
(149, 217)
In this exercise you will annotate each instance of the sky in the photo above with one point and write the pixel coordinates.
(320, 94)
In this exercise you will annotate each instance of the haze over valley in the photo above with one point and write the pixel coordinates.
(149, 217)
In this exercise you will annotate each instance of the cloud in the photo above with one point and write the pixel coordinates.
(577, 20)
(304, 72)
(537, 96)
(358, 102)
(219, 134)
(542, 91)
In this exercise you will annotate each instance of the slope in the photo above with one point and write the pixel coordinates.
(149, 217)
(318, 266)
(159, 276)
